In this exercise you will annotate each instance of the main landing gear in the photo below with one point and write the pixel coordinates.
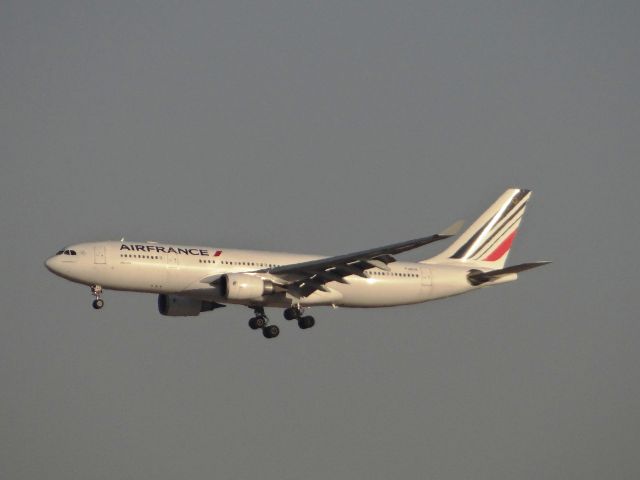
(304, 322)
(262, 321)
(96, 291)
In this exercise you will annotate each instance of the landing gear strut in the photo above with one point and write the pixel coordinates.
(96, 291)
(262, 321)
(296, 312)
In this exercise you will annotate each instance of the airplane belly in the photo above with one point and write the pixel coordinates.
(332, 297)
(373, 292)
(177, 279)
(318, 298)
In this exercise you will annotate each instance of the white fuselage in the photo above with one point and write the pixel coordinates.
(191, 271)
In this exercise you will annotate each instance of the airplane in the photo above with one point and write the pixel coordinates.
(190, 280)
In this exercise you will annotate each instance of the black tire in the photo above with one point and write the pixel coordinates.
(271, 331)
(260, 322)
(290, 313)
(252, 324)
(306, 322)
(98, 304)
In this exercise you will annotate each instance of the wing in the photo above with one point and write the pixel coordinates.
(302, 279)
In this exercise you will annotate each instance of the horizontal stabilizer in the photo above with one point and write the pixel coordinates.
(478, 277)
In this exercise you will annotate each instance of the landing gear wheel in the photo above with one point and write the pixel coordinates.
(257, 322)
(293, 313)
(271, 331)
(306, 322)
(98, 303)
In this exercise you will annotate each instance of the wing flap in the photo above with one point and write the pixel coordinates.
(304, 278)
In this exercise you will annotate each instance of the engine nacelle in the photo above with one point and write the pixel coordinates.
(181, 306)
(240, 286)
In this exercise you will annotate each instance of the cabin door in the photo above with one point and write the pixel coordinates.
(425, 276)
(99, 255)
(172, 260)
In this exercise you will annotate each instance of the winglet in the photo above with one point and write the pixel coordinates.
(452, 229)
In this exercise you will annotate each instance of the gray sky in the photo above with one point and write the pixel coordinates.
(321, 127)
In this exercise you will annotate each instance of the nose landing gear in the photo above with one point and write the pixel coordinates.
(262, 321)
(96, 291)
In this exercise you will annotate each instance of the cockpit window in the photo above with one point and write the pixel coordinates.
(67, 252)
(59, 252)
(72, 252)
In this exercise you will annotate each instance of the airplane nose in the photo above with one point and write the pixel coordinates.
(49, 263)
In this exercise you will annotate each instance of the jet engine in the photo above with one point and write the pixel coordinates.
(240, 286)
(181, 306)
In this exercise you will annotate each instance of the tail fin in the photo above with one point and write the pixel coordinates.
(488, 240)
